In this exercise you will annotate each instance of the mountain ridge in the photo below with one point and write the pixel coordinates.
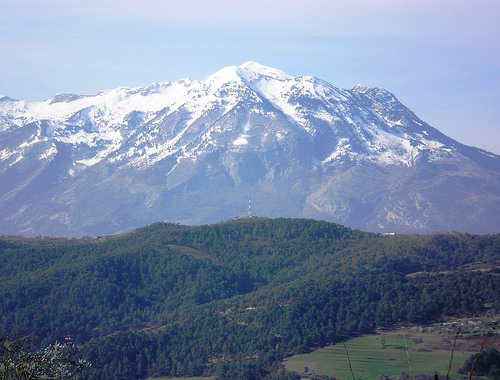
(186, 151)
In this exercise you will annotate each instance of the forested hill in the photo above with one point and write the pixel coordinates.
(234, 298)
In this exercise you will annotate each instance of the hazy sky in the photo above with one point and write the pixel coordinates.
(441, 58)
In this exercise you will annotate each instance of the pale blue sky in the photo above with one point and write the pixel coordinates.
(441, 58)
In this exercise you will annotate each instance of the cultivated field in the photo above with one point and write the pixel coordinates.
(428, 350)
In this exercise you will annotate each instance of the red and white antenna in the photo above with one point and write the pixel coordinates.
(249, 206)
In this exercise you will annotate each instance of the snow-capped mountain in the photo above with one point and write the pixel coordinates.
(192, 152)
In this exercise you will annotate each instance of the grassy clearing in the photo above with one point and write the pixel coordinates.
(369, 358)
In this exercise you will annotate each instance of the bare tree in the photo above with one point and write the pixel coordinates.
(19, 361)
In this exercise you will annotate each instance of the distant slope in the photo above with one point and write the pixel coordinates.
(234, 298)
(192, 151)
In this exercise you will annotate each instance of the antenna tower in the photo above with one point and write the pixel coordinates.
(249, 206)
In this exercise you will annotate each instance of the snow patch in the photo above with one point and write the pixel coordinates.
(49, 153)
(242, 140)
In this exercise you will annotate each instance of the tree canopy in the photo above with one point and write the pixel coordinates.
(234, 298)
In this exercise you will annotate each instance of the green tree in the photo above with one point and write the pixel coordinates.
(486, 363)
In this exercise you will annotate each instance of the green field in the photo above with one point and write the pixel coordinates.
(369, 358)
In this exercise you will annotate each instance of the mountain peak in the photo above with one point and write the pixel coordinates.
(360, 88)
(251, 67)
(249, 72)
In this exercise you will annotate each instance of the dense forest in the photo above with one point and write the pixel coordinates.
(233, 299)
